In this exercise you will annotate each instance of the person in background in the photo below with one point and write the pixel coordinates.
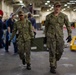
(4, 25)
(4, 31)
(10, 24)
(54, 33)
(1, 30)
(33, 21)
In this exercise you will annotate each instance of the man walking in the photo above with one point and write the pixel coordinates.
(54, 33)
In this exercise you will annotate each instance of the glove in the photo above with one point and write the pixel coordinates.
(9, 42)
(69, 38)
(17, 35)
(34, 34)
(45, 40)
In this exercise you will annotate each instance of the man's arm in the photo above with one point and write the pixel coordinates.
(46, 24)
(66, 21)
(14, 31)
(69, 38)
(8, 23)
(8, 29)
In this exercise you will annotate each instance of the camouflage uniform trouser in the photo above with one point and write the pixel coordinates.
(55, 46)
(24, 50)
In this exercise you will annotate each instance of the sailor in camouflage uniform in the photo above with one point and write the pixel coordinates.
(25, 34)
(54, 33)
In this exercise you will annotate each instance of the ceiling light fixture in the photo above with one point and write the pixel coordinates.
(63, 9)
(52, 7)
(70, 3)
(48, 1)
(74, 9)
(49, 5)
(48, 10)
(21, 2)
(65, 5)
(30, 3)
(68, 6)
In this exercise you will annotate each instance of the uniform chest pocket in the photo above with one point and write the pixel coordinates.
(52, 21)
(19, 27)
(61, 20)
(23, 26)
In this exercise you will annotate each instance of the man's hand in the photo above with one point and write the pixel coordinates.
(34, 34)
(45, 40)
(17, 35)
(9, 42)
(69, 38)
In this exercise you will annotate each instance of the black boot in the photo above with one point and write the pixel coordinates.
(28, 67)
(23, 61)
(52, 70)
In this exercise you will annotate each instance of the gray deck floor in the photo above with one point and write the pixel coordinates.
(11, 64)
